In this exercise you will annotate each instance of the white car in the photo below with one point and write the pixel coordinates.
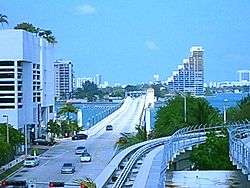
(80, 150)
(85, 157)
(31, 161)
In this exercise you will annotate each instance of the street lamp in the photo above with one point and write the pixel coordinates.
(225, 111)
(7, 127)
(185, 105)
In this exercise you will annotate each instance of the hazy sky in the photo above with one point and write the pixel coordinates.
(127, 41)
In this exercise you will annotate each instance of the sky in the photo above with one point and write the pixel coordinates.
(128, 41)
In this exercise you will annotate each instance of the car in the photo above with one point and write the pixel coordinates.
(67, 168)
(80, 150)
(43, 142)
(109, 128)
(31, 161)
(80, 137)
(85, 157)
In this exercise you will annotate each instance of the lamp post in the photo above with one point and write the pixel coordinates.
(225, 111)
(185, 106)
(7, 127)
(26, 139)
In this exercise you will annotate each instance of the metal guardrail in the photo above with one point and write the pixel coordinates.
(190, 136)
(103, 179)
(184, 139)
(239, 150)
(135, 157)
(11, 164)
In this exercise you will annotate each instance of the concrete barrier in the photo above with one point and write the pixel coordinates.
(11, 164)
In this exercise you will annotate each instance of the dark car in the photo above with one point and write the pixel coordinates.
(109, 128)
(67, 168)
(43, 142)
(80, 137)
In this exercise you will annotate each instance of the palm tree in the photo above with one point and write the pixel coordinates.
(66, 109)
(3, 19)
(87, 182)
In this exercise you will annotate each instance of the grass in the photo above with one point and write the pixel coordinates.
(10, 171)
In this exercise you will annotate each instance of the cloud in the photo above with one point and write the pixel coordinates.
(86, 9)
(151, 45)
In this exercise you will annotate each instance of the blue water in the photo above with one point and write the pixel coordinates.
(92, 113)
(217, 100)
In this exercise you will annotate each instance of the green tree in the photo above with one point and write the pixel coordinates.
(87, 182)
(3, 19)
(67, 109)
(170, 118)
(27, 27)
(212, 155)
(54, 128)
(46, 34)
(6, 154)
(15, 137)
(241, 111)
(129, 139)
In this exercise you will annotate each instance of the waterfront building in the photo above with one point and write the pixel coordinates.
(78, 82)
(98, 79)
(26, 80)
(244, 75)
(189, 77)
(63, 78)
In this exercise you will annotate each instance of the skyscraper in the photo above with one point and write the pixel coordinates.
(189, 77)
(244, 75)
(98, 79)
(26, 79)
(63, 78)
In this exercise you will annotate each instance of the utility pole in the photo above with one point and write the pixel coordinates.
(7, 128)
(26, 139)
(225, 111)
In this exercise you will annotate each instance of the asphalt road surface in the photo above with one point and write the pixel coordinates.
(101, 146)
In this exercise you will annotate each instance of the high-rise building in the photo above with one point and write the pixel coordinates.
(98, 79)
(189, 77)
(244, 75)
(156, 78)
(26, 80)
(78, 82)
(63, 78)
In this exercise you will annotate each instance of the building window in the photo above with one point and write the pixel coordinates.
(50, 109)
(6, 63)
(7, 107)
(7, 75)
(7, 82)
(7, 100)
(7, 88)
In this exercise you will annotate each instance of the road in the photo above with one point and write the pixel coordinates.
(101, 145)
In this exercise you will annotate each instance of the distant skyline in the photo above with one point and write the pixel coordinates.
(130, 41)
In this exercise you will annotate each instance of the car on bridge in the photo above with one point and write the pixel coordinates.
(109, 128)
(67, 168)
(85, 157)
(80, 150)
(31, 161)
(80, 137)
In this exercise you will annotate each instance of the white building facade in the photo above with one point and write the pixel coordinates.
(189, 77)
(63, 78)
(78, 82)
(26, 80)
